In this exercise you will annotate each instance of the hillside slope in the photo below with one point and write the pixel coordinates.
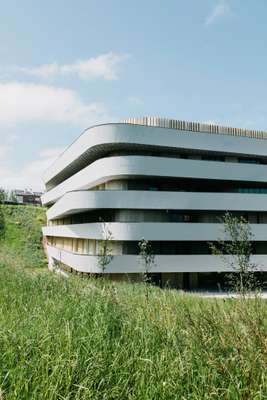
(82, 339)
(21, 241)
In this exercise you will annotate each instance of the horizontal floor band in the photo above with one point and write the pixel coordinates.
(132, 264)
(125, 167)
(155, 231)
(103, 138)
(80, 201)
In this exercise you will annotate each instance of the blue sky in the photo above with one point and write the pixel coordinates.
(65, 65)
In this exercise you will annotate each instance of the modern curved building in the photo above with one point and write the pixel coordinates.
(163, 180)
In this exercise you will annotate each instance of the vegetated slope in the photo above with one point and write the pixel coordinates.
(87, 339)
(21, 239)
(84, 339)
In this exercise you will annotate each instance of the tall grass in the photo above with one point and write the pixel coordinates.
(84, 339)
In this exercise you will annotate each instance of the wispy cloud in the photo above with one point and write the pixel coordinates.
(28, 102)
(221, 9)
(30, 175)
(105, 66)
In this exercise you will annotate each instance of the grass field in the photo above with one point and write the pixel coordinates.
(82, 339)
(86, 339)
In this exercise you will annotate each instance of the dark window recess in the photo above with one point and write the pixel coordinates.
(248, 161)
(212, 158)
(175, 216)
(196, 185)
(184, 248)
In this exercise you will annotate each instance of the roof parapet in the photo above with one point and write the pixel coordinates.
(195, 127)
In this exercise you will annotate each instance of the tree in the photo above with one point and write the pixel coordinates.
(12, 197)
(147, 258)
(3, 195)
(235, 249)
(105, 247)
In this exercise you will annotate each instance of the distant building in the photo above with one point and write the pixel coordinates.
(167, 181)
(27, 197)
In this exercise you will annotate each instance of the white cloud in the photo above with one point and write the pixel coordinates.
(104, 66)
(11, 138)
(30, 176)
(28, 102)
(221, 9)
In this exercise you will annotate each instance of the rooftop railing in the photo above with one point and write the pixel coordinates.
(195, 127)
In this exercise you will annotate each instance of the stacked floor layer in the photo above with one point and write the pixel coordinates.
(169, 186)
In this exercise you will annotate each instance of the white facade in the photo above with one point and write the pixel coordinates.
(164, 183)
